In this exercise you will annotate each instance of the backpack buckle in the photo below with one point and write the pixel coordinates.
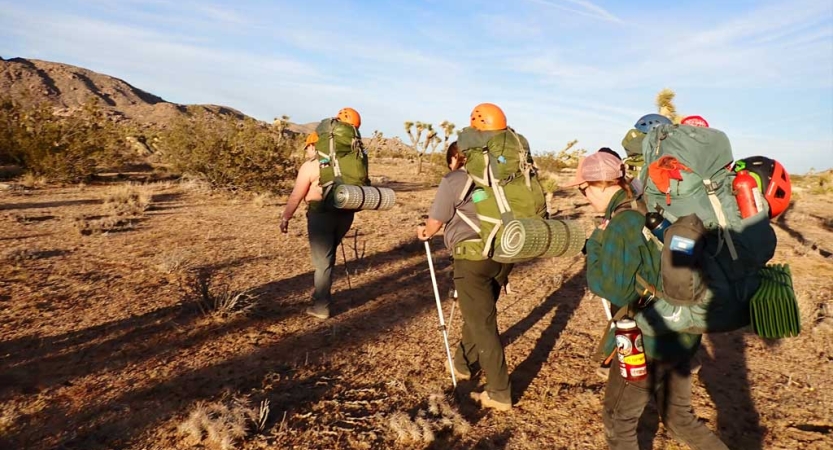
(711, 186)
(647, 297)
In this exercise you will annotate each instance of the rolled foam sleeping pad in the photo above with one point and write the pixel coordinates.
(535, 237)
(362, 198)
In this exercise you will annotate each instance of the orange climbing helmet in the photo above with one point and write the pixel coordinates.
(312, 138)
(773, 181)
(351, 116)
(488, 117)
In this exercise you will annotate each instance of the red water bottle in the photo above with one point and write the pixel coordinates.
(629, 349)
(748, 194)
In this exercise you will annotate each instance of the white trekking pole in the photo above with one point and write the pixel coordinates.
(606, 306)
(440, 313)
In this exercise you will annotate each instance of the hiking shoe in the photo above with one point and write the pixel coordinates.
(487, 402)
(319, 311)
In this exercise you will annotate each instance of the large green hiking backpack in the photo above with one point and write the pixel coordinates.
(342, 157)
(725, 253)
(506, 187)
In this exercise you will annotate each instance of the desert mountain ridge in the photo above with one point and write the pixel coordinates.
(68, 87)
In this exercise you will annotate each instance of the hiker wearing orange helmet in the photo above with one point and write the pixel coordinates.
(351, 116)
(326, 226)
(488, 117)
(477, 279)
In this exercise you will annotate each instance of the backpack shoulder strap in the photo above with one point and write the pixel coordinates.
(465, 192)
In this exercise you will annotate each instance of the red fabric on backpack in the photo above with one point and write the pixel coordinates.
(665, 169)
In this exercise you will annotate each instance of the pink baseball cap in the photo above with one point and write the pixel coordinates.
(599, 166)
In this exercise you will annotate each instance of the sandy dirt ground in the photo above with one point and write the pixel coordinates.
(103, 346)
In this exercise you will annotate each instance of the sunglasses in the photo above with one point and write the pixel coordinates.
(583, 189)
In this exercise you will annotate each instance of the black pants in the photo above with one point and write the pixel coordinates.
(478, 285)
(670, 385)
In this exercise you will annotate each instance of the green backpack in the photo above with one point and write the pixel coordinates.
(342, 157)
(711, 258)
(505, 187)
(632, 143)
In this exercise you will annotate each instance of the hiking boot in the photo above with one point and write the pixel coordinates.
(487, 402)
(319, 311)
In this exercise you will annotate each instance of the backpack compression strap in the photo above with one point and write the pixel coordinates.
(711, 191)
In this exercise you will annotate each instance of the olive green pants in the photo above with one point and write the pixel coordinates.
(478, 285)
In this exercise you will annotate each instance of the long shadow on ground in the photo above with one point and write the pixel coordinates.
(34, 363)
(566, 300)
(726, 379)
(113, 422)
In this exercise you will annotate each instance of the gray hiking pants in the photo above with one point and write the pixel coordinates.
(326, 229)
(670, 385)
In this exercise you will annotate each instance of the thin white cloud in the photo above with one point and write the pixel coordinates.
(584, 8)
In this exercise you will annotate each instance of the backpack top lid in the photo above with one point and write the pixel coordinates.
(706, 151)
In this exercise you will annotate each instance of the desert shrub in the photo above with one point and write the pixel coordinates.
(230, 153)
(436, 417)
(556, 161)
(65, 148)
(213, 296)
(128, 200)
(223, 424)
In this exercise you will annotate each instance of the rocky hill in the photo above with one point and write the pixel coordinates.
(68, 88)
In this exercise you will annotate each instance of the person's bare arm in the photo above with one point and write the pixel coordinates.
(302, 186)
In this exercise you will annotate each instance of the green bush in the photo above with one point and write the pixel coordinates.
(230, 153)
(554, 162)
(60, 148)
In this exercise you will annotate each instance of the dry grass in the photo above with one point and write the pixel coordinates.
(263, 200)
(8, 419)
(214, 297)
(423, 428)
(88, 226)
(816, 308)
(223, 424)
(129, 200)
(176, 261)
(19, 255)
(31, 181)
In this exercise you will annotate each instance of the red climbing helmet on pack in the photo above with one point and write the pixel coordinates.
(772, 179)
(695, 121)
(649, 121)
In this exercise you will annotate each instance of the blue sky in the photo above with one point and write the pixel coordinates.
(762, 71)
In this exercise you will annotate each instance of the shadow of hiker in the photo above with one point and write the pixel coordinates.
(781, 222)
(726, 379)
(238, 372)
(566, 298)
(34, 362)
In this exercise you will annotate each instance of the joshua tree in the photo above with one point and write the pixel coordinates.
(665, 104)
(377, 141)
(415, 130)
(281, 123)
(448, 130)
